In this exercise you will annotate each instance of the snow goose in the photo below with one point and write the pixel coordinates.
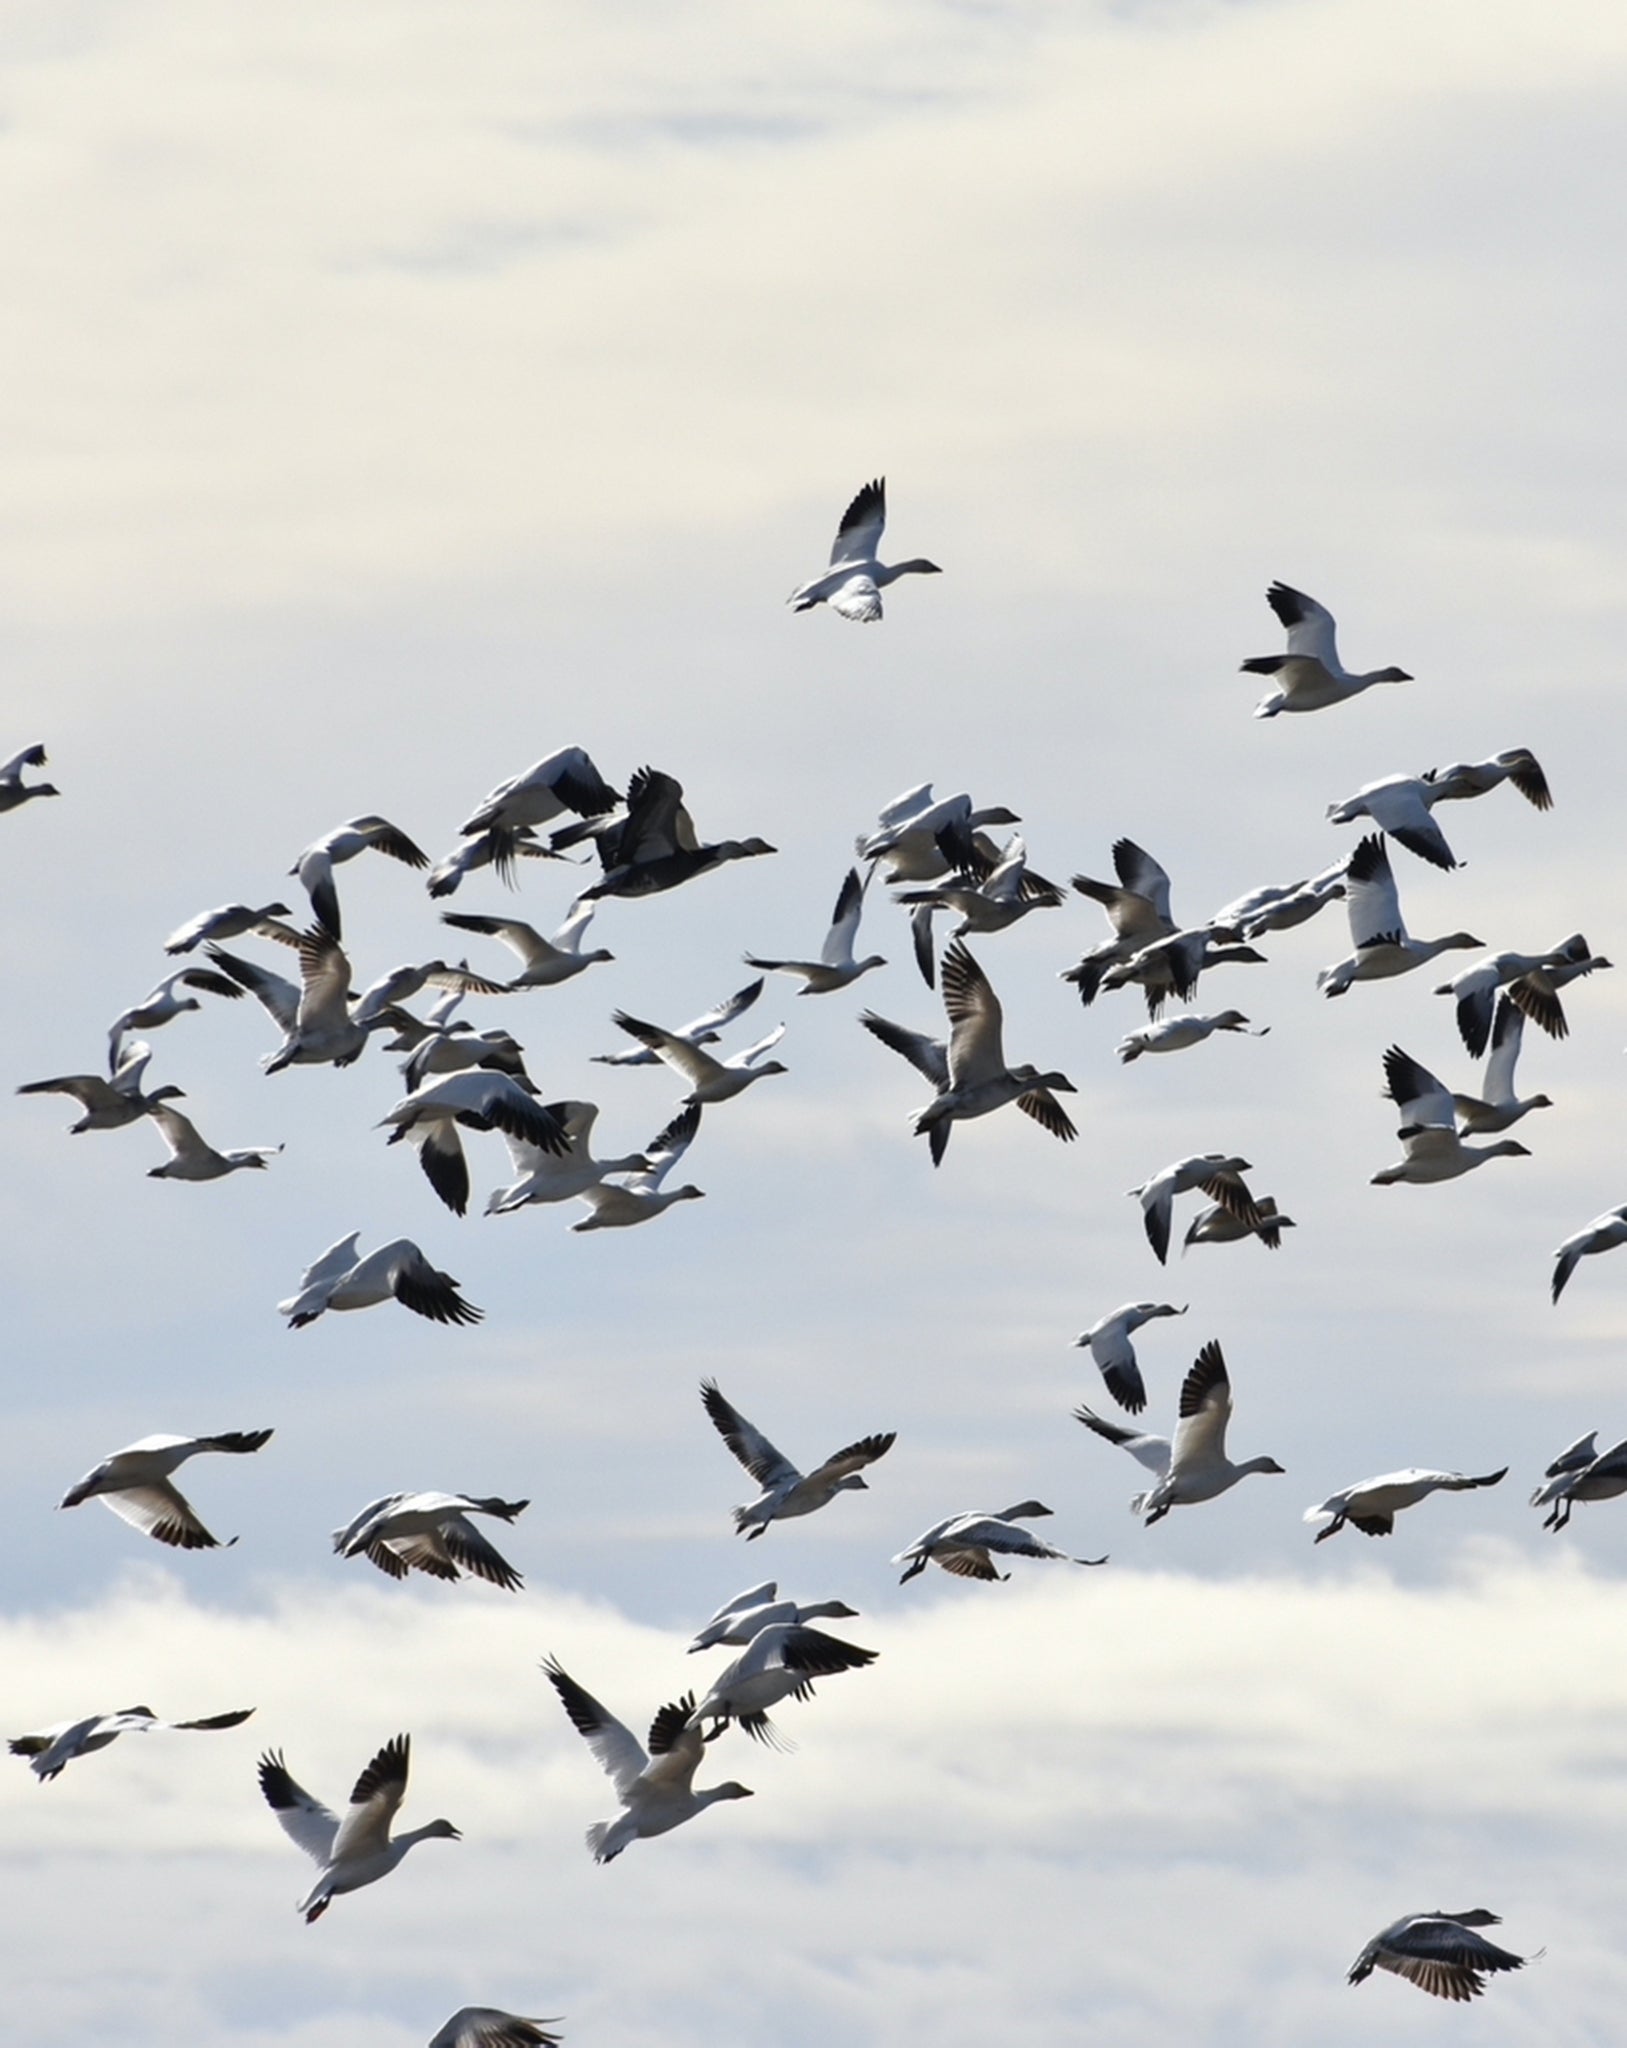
(494, 849)
(565, 780)
(617, 1205)
(544, 963)
(359, 1849)
(479, 1100)
(401, 984)
(397, 1271)
(970, 1073)
(316, 864)
(231, 921)
(1400, 806)
(315, 1018)
(1108, 1341)
(135, 1484)
(458, 1048)
(710, 1080)
(989, 892)
(1474, 778)
(1274, 908)
(1373, 1504)
(656, 1787)
(919, 837)
(780, 1662)
(738, 1620)
(109, 1104)
(1219, 1226)
(1383, 946)
(966, 1545)
(1603, 1234)
(1172, 966)
(1428, 1132)
(1581, 1472)
(164, 1002)
(786, 1491)
(705, 1029)
(1137, 906)
(484, 2026)
(13, 790)
(1533, 981)
(837, 964)
(1310, 675)
(655, 848)
(51, 1750)
(431, 1532)
(1175, 1034)
(191, 1158)
(1500, 1105)
(1220, 1178)
(1198, 1468)
(543, 1176)
(1439, 1952)
(855, 579)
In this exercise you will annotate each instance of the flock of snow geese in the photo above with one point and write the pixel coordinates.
(940, 857)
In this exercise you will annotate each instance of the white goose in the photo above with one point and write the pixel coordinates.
(1175, 1034)
(738, 1620)
(919, 837)
(397, 1271)
(786, 1491)
(544, 1176)
(1533, 981)
(1383, 945)
(1137, 907)
(191, 1158)
(990, 891)
(853, 583)
(710, 1080)
(1220, 1178)
(1500, 1104)
(316, 864)
(231, 921)
(1581, 1472)
(431, 1532)
(135, 1483)
(1439, 1952)
(477, 1099)
(702, 1030)
(1279, 908)
(359, 1849)
(109, 1103)
(966, 1545)
(1195, 1467)
(315, 1018)
(1474, 778)
(563, 781)
(544, 963)
(1108, 1341)
(1373, 1504)
(780, 1662)
(837, 965)
(1310, 676)
(164, 1002)
(1219, 1226)
(619, 1204)
(656, 1787)
(1603, 1234)
(51, 1750)
(1400, 805)
(1428, 1133)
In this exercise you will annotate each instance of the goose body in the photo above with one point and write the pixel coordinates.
(1383, 946)
(231, 921)
(164, 1002)
(705, 1029)
(786, 1491)
(1219, 1226)
(1442, 1953)
(1220, 1178)
(1499, 1104)
(14, 792)
(544, 1176)
(1175, 1034)
(563, 781)
(135, 1483)
(316, 864)
(108, 1102)
(1108, 1341)
(476, 1099)
(51, 1750)
(1603, 1234)
(989, 892)
(780, 1662)
(358, 1849)
(855, 579)
(1195, 1466)
(1429, 1136)
(1373, 1504)
(316, 1018)
(431, 1532)
(1400, 806)
(1533, 981)
(837, 966)
(1583, 1472)
(544, 963)
(710, 1080)
(739, 1620)
(1309, 676)
(966, 1545)
(397, 1271)
(191, 1158)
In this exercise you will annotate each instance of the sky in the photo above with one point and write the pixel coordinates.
(397, 395)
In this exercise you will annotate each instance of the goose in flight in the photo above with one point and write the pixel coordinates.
(561, 782)
(13, 790)
(544, 1176)
(135, 1483)
(493, 849)
(855, 579)
(1220, 1178)
(397, 1271)
(1378, 933)
(1518, 765)
(619, 1204)
(316, 864)
(1195, 1467)
(705, 1029)
(989, 891)
(655, 846)
(1309, 676)
(919, 837)
(1500, 1104)
(738, 1620)
(1581, 1472)
(479, 1100)
(1279, 908)
(837, 964)
(109, 1104)
(786, 1491)
(966, 1545)
(358, 1849)
(231, 921)
(485, 2026)
(431, 1532)
(970, 1072)
(780, 1662)
(1108, 1341)
(1429, 1136)
(1373, 1504)
(191, 1158)
(1400, 806)
(1172, 966)
(316, 1019)
(1219, 1226)
(1533, 981)
(401, 984)
(164, 1002)
(1442, 1953)
(1175, 1034)
(544, 963)
(1137, 907)
(1603, 1234)
(656, 1787)
(51, 1750)
(710, 1080)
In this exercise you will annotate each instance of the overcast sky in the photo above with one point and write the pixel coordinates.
(395, 395)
